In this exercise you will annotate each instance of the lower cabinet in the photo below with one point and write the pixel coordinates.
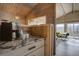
(38, 52)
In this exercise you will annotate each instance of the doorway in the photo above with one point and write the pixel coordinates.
(67, 40)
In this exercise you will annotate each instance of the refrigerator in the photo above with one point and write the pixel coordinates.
(6, 30)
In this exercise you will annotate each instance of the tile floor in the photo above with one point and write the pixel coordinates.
(67, 48)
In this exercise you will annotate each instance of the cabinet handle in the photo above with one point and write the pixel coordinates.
(32, 47)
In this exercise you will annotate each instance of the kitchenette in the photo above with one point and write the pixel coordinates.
(16, 41)
(27, 29)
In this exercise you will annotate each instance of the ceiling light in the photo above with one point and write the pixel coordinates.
(17, 17)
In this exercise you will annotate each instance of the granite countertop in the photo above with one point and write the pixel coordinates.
(6, 47)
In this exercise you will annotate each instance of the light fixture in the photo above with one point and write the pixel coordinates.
(17, 17)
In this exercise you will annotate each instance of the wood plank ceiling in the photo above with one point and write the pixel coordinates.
(24, 9)
(47, 9)
(17, 9)
(30, 10)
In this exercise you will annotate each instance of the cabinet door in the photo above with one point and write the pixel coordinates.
(38, 52)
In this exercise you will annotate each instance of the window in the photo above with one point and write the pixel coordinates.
(70, 28)
(60, 28)
(73, 28)
(76, 28)
(37, 21)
